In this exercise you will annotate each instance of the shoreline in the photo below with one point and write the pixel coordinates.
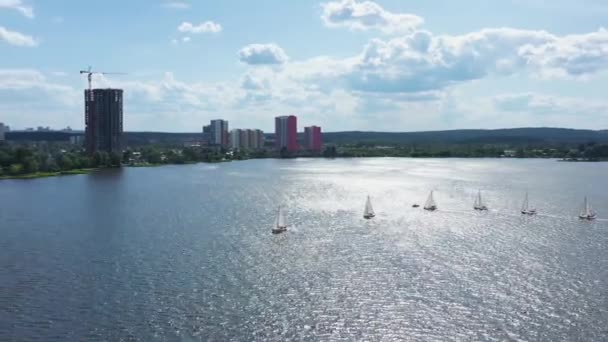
(38, 175)
(49, 174)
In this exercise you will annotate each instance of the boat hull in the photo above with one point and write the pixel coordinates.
(278, 230)
(430, 208)
(587, 218)
(369, 217)
(528, 212)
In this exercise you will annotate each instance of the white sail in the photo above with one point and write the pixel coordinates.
(478, 205)
(430, 202)
(369, 210)
(524, 206)
(587, 211)
(280, 221)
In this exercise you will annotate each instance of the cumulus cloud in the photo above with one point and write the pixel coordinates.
(29, 79)
(16, 38)
(176, 5)
(261, 54)
(19, 6)
(249, 82)
(367, 15)
(422, 61)
(205, 27)
(571, 55)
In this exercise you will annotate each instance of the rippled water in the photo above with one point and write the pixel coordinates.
(185, 253)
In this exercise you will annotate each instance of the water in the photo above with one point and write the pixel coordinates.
(185, 253)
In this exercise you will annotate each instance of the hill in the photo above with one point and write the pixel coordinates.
(514, 136)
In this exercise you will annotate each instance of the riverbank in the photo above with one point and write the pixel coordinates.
(49, 174)
(139, 165)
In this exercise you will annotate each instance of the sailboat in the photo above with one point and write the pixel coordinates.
(368, 213)
(279, 225)
(430, 203)
(478, 205)
(525, 208)
(587, 213)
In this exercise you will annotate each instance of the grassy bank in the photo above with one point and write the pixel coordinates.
(48, 174)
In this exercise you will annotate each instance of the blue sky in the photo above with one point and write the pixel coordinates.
(391, 65)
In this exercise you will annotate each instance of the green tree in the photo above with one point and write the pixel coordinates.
(50, 165)
(191, 154)
(21, 153)
(126, 156)
(15, 169)
(152, 156)
(30, 165)
(114, 160)
(330, 152)
(101, 159)
(5, 158)
(65, 162)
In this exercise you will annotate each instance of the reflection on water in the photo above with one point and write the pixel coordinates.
(185, 253)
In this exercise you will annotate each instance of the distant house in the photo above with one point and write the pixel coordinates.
(509, 153)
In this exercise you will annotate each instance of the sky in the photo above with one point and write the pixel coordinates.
(385, 65)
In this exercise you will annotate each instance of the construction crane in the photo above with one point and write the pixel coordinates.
(90, 73)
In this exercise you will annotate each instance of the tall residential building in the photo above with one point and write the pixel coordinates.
(216, 133)
(286, 132)
(246, 139)
(103, 120)
(312, 138)
(235, 138)
(2, 130)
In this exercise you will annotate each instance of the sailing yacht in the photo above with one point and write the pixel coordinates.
(368, 213)
(430, 204)
(279, 225)
(525, 208)
(587, 213)
(478, 205)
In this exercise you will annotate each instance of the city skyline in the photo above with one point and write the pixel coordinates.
(384, 65)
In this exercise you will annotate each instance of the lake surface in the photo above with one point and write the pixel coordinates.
(185, 253)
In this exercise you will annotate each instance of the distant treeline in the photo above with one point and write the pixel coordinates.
(16, 160)
(540, 137)
(512, 137)
(590, 151)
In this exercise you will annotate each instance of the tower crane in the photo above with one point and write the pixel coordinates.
(90, 73)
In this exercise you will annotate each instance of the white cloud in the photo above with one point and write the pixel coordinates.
(182, 5)
(206, 27)
(260, 54)
(28, 98)
(185, 39)
(16, 38)
(19, 6)
(57, 20)
(367, 15)
(28, 79)
(569, 56)
(422, 61)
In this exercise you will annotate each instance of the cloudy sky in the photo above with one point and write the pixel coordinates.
(391, 65)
